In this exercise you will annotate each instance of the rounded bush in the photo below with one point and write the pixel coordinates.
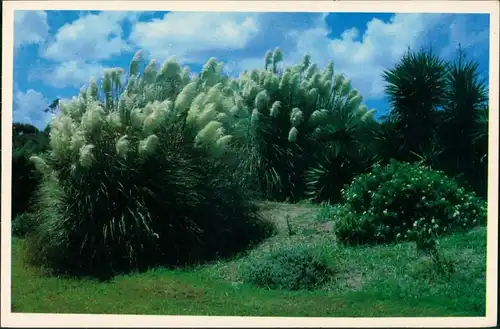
(292, 268)
(400, 201)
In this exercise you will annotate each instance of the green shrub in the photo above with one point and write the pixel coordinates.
(292, 268)
(130, 183)
(337, 166)
(27, 140)
(22, 225)
(403, 201)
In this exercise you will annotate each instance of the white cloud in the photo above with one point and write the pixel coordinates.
(72, 73)
(469, 34)
(78, 46)
(363, 58)
(30, 27)
(29, 108)
(189, 36)
(91, 37)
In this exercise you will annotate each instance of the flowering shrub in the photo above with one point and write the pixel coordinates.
(292, 268)
(403, 201)
(137, 179)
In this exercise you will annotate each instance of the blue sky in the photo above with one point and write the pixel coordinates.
(57, 52)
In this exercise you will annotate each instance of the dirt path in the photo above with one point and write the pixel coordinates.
(301, 218)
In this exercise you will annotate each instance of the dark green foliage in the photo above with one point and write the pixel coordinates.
(22, 225)
(403, 201)
(292, 268)
(336, 167)
(436, 115)
(173, 208)
(416, 87)
(466, 95)
(27, 140)
(479, 177)
(267, 157)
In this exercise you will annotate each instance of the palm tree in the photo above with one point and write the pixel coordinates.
(465, 97)
(415, 88)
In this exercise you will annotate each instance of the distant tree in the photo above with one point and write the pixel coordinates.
(27, 140)
(53, 107)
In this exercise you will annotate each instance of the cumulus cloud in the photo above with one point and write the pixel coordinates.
(78, 47)
(91, 37)
(190, 36)
(362, 58)
(28, 108)
(471, 33)
(73, 73)
(30, 27)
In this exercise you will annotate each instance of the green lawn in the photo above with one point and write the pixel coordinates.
(371, 281)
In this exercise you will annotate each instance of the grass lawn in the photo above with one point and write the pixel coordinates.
(370, 281)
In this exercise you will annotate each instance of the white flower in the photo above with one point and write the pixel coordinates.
(93, 118)
(122, 146)
(148, 145)
(137, 118)
(208, 114)
(297, 117)
(77, 140)
(134, 64)
(86, 156)
(275, 109)
(186, 97)
(170, 68)
(154, 120)
(292, 135)
(261, 100)
(255, 116)
(210, 133)
(114, 119)
(277, 55)
(40, 164)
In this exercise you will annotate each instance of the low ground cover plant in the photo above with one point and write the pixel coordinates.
(295, 267)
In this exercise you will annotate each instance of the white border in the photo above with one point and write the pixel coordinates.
(67, 320)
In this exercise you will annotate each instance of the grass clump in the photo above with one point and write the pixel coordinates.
(296, 267)
(403, 201)
(126, 187)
